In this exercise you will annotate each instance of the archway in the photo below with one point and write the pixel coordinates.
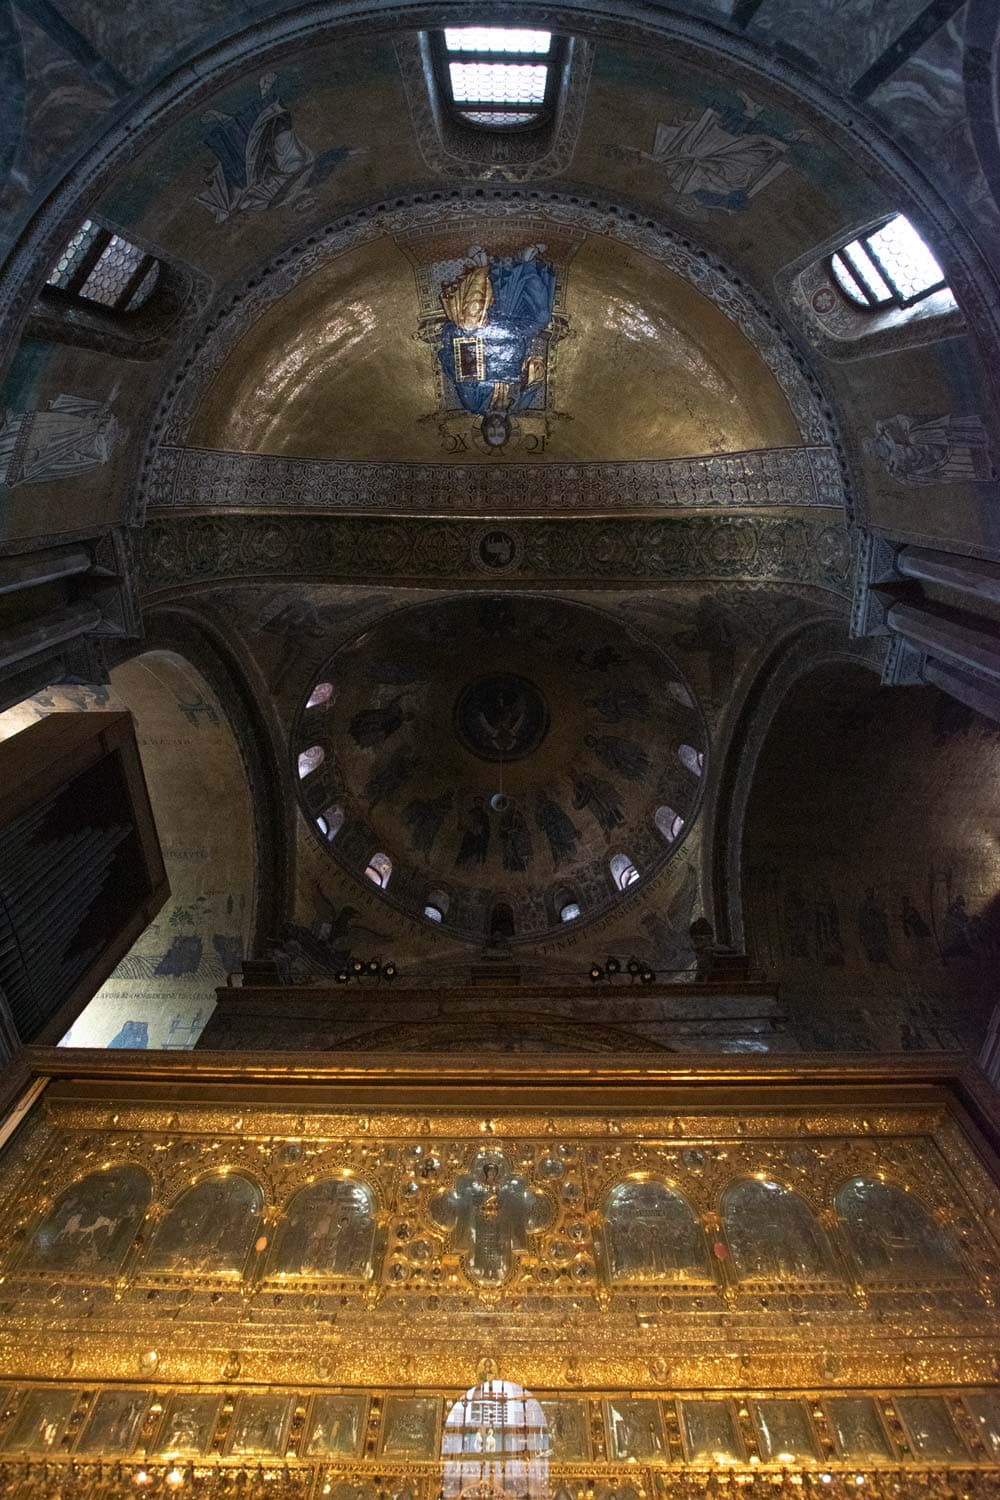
(495, 1443)
(162, 992)
(870, 893)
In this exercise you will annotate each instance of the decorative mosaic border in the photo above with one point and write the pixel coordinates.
(207, 479)
(190, 552)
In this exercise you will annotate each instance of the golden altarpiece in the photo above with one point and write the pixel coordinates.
(408, 1279)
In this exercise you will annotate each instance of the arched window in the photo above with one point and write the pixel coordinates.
(670, 824)
(496, 1441)
(891, 266)
(569, 912)
(500, 77)
(330, 822)
(102, 267)
(692, 759)
(623, 871)
(310, 760)
(323, 693)
(378, 870)
(437, 906)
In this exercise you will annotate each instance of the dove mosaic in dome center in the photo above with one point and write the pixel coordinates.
(485, 754)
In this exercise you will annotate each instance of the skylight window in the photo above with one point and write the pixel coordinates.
(496, 39)
(99, 266)
(498, 83)
(892, 266)
(506, 73)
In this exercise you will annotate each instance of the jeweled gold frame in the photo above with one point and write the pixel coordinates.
(925, 1125)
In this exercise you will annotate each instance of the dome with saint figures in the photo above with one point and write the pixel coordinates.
(504, 767)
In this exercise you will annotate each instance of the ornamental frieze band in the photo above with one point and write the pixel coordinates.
(208, 479)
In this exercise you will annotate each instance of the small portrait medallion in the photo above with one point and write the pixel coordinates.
(496, 550)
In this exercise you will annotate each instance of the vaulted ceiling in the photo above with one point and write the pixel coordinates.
(396, 359)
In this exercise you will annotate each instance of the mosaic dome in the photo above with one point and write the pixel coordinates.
(503, 767)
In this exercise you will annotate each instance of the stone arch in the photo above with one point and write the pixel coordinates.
(862, 869)
(162, 992)
(800, 651)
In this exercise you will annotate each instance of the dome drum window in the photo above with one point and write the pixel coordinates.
(322, 695)
(437, 906)
(330, 822)
(623, 872)
(379, 870)
(310, 760)
(670, 823)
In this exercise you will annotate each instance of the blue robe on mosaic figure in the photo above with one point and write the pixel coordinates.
(495, 310)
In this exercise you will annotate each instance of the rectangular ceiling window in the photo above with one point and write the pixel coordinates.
(893, 264)
(496, 39)
(99, 266)
(498, 77)
(497, 83)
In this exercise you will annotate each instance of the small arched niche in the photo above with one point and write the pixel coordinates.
(328, 1231)
(773, 1235)
(652, 1235)
(91, 1225)
(893, 1236)
(209, 1231)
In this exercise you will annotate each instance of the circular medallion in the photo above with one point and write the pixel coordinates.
(501, 717)
(496, 550)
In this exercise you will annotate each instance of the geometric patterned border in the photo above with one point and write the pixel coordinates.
(205, 479)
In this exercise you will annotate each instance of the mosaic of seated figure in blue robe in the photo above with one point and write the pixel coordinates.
(494, 312)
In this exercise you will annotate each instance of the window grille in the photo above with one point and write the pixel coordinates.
(498, 77)
(891, 266)
(104, 268)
